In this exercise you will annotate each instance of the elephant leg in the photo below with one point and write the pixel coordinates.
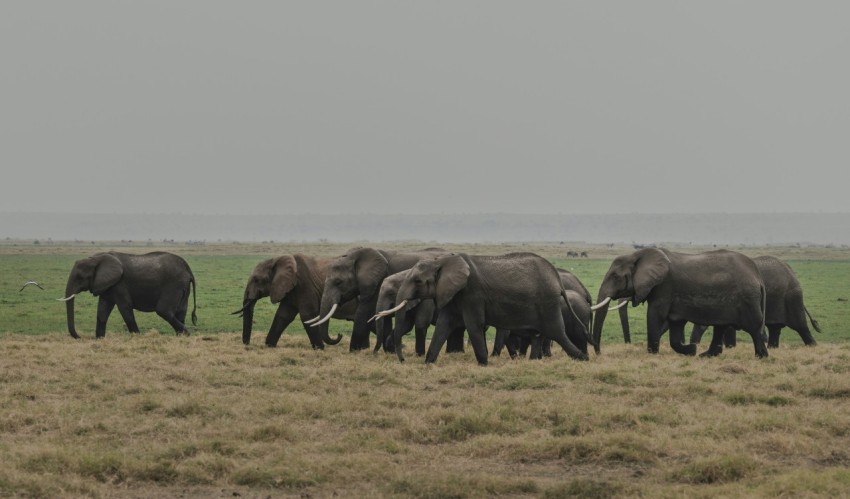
(499, 341)
(773, 333)
(104, 308)
(697, 332)
(171, 319)
(677, 339)
(656, 324)
(547, 347)
(524, 344)
(362, 326)
(283, 317)
(758, 342)
(455, 341)
(554, 329)
(624, 322)
(129, 317)
(730, 337)
(479, 344)
(421, 333)
(716, 346)
(447, 322)
(386, 341)
(804, 332)
(512, 344)
(536, 348)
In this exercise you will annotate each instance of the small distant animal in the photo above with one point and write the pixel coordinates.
(31, 283)
(584, 254)
(572, 254)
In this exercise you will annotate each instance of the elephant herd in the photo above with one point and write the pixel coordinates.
(522, 295)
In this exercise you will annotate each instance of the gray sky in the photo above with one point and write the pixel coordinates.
(425, 107)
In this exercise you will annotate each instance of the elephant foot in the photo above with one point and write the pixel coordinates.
(772, 345)
(689, 349)
(811, 343)
(712, 352)
(762, 354)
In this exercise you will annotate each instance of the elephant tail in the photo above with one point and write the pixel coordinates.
(814, 322)
(194, 303)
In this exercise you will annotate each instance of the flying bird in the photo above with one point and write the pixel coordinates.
(32, 283)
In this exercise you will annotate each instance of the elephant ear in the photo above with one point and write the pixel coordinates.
(451, 278)
(107, 273)
(284, 278)
(650, 270)
(370, 269)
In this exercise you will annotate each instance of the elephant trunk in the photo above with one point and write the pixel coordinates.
(69, 308)
(598, 322)
(247, 320)
(327, 339)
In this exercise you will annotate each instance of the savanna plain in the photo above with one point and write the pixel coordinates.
(156, 415)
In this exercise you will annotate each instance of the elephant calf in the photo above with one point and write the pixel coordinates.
(153, 282)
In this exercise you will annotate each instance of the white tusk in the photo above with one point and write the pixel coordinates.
(625, 302)
(374, 317)
(326, 318)
(67, 299)
(600, 304)
(392, 310)
(314, 319)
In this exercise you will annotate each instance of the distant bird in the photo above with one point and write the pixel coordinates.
(32, 283)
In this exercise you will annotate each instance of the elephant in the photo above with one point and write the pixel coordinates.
(419, 317)
(784, 306)
(580, 300)
(512, 291)
(359, 274)
(719, 288)
(294, 282)
(153, 282)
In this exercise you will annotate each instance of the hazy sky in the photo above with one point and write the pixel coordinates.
(424, 107)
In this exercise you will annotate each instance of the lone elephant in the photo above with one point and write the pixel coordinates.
(358, 274)
(154, 282)
(294, 283)
(513, 291)
(719, 288)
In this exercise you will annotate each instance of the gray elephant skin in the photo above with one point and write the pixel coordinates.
(513, 291)
(294, 283)
(719, 288)
(418, 317)
(154, 282)
(358, 274)
(784, 308)
(576, 326)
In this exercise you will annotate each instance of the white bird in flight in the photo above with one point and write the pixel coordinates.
(33, 283)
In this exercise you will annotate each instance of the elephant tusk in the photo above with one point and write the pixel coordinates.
(314, 319)
(326, 318)
(600, 304)
(67, 299)
(393, 310)
(621, 305)
(373, 318)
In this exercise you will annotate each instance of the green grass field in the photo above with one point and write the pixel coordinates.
(155, 415)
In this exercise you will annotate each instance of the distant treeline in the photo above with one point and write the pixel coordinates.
(765, 228)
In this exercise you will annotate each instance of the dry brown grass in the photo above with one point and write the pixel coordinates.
(156, 415)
